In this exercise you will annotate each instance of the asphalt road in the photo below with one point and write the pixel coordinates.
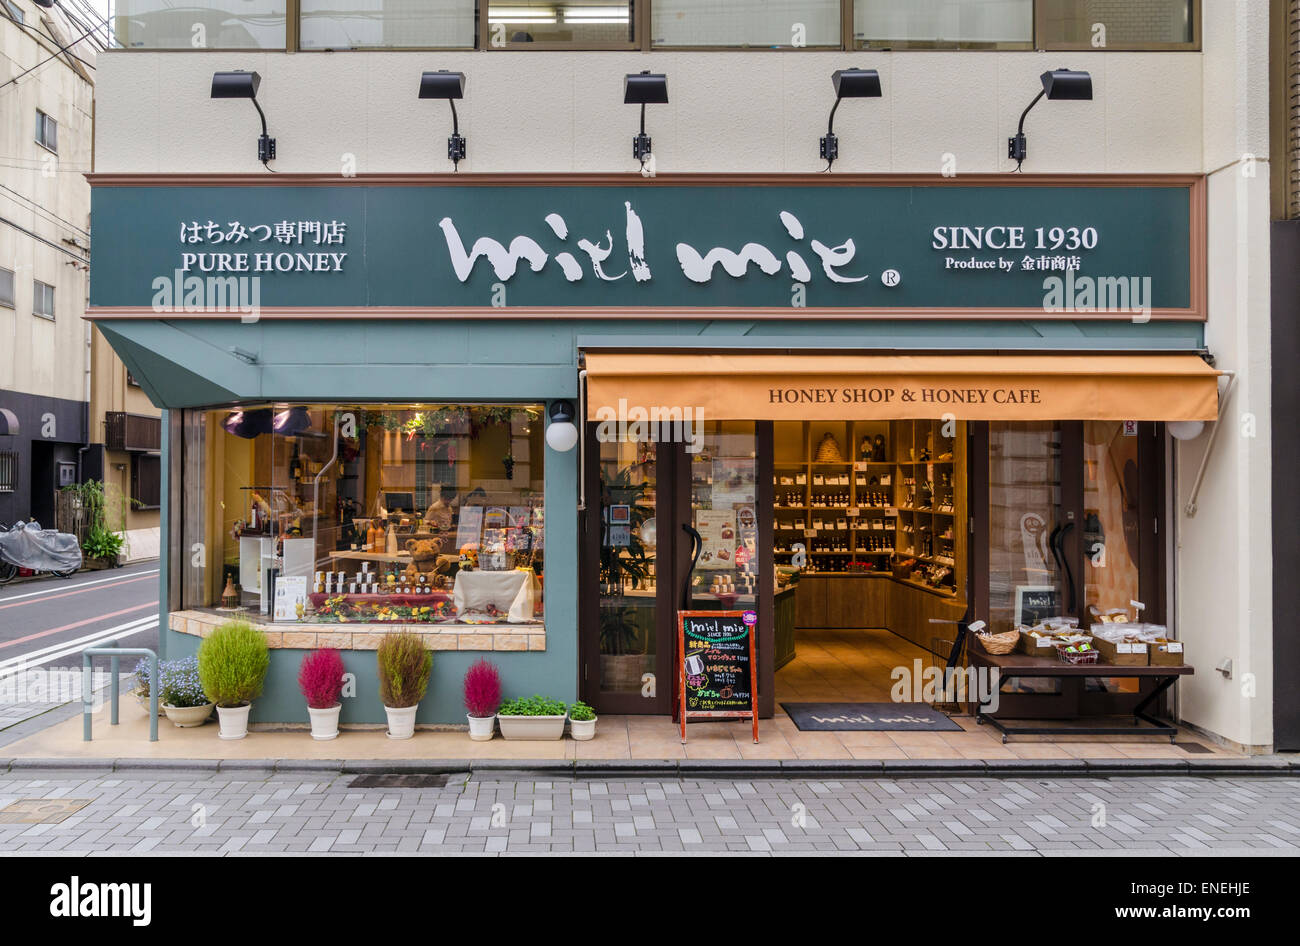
(48, 622)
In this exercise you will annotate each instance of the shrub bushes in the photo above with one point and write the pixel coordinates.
(482, 688)
(404, 667)
(233, 663)
(321, 678)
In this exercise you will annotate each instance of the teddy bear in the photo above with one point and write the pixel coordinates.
(424, 551)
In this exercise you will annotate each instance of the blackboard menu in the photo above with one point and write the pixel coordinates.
(1035, 603)
(718, 662)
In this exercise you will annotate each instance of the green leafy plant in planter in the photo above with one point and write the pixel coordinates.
(532, 717)
(582, 721)
(532, 706)
(404, 668)
(232, 666)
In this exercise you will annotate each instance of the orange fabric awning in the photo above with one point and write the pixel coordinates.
(898, 387)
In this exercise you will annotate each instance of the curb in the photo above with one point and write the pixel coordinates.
(691, 768)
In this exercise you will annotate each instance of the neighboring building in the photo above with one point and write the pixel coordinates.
(59, 381)
(369, 343)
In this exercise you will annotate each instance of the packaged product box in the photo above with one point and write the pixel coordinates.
(1120, 644)
(1036, 646)
(1162, 650)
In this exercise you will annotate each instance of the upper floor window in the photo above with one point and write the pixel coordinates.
(7, 288)
(47, 131)
(200, 24)
(1116, 24)
(655, 24)
(15, 12)
(573, 24)
(387, 24)
(752, 23)
(943, 24)
(42, 299)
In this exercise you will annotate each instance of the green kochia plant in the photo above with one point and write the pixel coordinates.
(532, 706)
(233, 664)
(404, 668)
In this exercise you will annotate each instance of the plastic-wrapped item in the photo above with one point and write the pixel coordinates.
(46, 550)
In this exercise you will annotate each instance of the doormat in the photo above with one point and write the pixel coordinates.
(868, 717)
(399, 781)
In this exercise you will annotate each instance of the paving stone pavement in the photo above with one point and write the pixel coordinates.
(251, 813)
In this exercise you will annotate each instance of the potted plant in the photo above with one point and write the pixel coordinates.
(320, 677)
(181, 694)
(582, 721)
(534, 717)
(482, 697)
(140, 683)
(404, 667)
(232, 666)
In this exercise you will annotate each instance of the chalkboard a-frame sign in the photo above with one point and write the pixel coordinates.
(1035, 603)
(716, 674)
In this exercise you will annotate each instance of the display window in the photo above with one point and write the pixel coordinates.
(366, 514)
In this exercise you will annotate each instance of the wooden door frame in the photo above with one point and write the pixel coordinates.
(666, 592)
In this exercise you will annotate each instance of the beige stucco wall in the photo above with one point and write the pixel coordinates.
(45, 194)
(1224, 558)
(729, 111)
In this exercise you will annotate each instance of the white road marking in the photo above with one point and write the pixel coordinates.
(64, 648)
(53, 589)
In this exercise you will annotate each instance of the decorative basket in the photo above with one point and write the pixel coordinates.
(828, 451)
(1000, 643)
(1090, 656)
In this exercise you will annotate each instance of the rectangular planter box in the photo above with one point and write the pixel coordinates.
(532, 727)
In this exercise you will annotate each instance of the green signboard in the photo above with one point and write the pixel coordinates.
(1075, 249)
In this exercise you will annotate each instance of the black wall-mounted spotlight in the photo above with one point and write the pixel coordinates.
(644, 88)
(243, 85)
(450, 86)
(849, 84)
(1057, 84)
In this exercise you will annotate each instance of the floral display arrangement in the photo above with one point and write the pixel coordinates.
(338, 609)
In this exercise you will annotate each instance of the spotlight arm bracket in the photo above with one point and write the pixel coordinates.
(1020, 129)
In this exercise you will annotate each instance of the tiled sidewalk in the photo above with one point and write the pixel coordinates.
(618, 738)
(245, 814)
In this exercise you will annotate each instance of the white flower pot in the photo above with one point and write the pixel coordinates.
(401, 721)
(532, 727)
(325, 722)
(482, 728)
(582, 729)
(185, 716)
(234, 721)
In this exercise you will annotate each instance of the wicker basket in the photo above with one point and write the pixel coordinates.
(1090, 656)
(1003, 643)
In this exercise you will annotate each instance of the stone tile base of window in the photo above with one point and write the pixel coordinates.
(495, 637)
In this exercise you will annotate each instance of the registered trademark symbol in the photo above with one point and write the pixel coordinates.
(891, 277)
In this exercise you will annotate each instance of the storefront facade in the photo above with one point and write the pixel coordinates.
(359, 373)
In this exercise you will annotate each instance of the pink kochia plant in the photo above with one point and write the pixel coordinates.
(321, 678)
(482, 689)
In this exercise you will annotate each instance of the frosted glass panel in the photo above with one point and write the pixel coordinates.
(199, 24)
(943, 22)
(745, 23)
(1116, 23)
(357, 24)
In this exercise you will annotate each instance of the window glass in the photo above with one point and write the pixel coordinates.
(943, 23)
(8, 471)
(1123, 24)
(361, 24)
(581, 23)
(199, 24)
(745, 23)
(428, 513)
(146, 480)
(7, 288)
(42, 299)
(15, 11)
(47, 131)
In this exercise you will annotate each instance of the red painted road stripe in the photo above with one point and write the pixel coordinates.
(68, 627)
(80, 591)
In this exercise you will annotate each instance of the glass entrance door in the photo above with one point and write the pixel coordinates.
(1033, 527)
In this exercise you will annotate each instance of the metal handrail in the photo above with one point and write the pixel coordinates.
(110, 649)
